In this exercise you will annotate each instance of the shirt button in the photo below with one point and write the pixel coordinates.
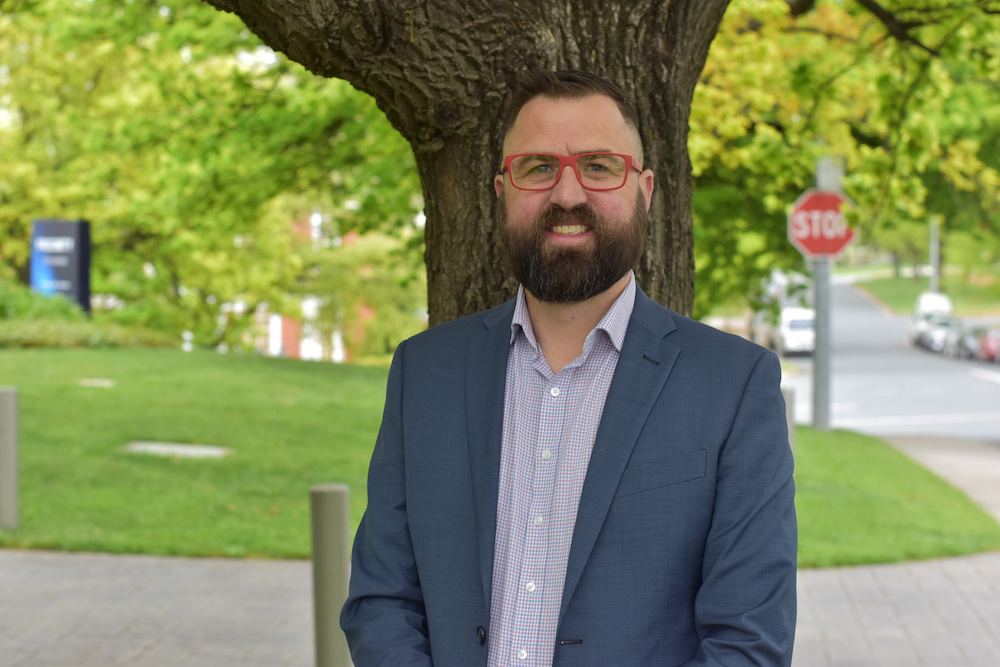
(522, 654)
(530, 587)
(539, 520)
(554, 391)
(546, 454)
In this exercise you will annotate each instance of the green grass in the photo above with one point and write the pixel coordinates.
(294, 424)
(900, 294)
(291, 425)
(861, 501)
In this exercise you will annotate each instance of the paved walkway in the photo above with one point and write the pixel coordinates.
(102, 610)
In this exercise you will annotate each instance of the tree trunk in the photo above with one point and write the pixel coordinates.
(442, 71)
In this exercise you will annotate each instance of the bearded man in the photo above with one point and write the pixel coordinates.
(580, 476)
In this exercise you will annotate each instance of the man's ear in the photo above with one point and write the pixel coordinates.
(646, 183)
(498, 184)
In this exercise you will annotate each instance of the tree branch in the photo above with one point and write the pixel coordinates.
(896, 28)
(799, 7)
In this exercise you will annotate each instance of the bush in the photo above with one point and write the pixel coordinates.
(18, 302)
(28, 319)
(53, 333)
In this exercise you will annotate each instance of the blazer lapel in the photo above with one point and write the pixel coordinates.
(485, 383)
(643, 366)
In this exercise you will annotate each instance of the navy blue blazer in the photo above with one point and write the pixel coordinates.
(684, 548)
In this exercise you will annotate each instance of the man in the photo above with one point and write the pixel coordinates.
(580, 476)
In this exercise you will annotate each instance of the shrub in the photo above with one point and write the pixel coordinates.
(54, 333)
(18, 302)
(28, 319)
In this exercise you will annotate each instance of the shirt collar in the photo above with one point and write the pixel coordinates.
(614, 323)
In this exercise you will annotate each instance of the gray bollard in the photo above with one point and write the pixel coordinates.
(8, 458)
(331, 561)
(789, 394)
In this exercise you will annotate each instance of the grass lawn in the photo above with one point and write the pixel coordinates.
(900, 294)
(861, 501)
(294, 424)
(290, 424)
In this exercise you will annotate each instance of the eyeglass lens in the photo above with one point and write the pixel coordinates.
(598, 171)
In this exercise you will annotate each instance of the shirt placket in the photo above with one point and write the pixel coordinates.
(534, 590)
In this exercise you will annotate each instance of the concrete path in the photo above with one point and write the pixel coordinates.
(84, 610)
(99, 610)
(941, 613)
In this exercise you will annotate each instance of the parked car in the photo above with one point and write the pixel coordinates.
(989, 345)
(961, 342)
(935, 330)
(796, 331)
(930, 306)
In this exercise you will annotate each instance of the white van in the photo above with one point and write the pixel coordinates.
(929, 306)
(796, 331)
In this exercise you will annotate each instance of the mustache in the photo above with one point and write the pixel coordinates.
(556, 215)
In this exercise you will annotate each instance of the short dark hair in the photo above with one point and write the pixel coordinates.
(567, 84)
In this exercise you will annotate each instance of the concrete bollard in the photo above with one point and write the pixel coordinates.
(331, 561)
(789, 395)
(8, 458)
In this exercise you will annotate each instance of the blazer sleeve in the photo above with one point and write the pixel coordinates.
(745, 609)
(384, 617)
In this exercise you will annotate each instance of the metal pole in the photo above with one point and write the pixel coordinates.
(829, 176)
(821, 355)
(8, 458)
(789, 395)
(935, 256)
(331, 560)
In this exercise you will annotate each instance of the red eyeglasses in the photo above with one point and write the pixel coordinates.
(594, 171)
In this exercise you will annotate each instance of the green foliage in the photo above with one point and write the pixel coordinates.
(179, 136)
(377, 295)
(20, 303)
(192, 148)
(28, 319)
(53, 333)
(860, 501)
(916, 122)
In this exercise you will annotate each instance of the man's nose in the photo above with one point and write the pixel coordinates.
(567, 191)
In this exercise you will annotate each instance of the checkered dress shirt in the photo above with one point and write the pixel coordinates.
(549, 425)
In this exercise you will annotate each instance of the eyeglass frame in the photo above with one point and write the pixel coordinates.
(569, 161)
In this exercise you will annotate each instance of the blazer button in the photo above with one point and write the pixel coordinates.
(481, 634)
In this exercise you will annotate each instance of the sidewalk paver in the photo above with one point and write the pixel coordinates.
(81, 609)
(939, 613)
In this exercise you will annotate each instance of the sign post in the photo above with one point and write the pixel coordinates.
(816, 226)
(60, 259)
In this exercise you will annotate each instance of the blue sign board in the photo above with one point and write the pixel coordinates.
(60, 259)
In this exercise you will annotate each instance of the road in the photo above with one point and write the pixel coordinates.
(881, 385)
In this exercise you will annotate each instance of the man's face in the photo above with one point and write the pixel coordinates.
(568, 244)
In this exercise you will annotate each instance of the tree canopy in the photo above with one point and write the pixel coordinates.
(905, 95)
(192, 147)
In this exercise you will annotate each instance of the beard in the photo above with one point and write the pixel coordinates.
(557, 274)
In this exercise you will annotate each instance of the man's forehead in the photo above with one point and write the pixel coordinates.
(591, 123)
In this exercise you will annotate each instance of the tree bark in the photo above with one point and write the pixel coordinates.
(442, 71)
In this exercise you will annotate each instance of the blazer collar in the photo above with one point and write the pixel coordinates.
(644, 364)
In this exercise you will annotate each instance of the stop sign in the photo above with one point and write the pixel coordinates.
(816, 225)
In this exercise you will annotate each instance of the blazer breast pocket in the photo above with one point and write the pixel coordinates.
(648, 474)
